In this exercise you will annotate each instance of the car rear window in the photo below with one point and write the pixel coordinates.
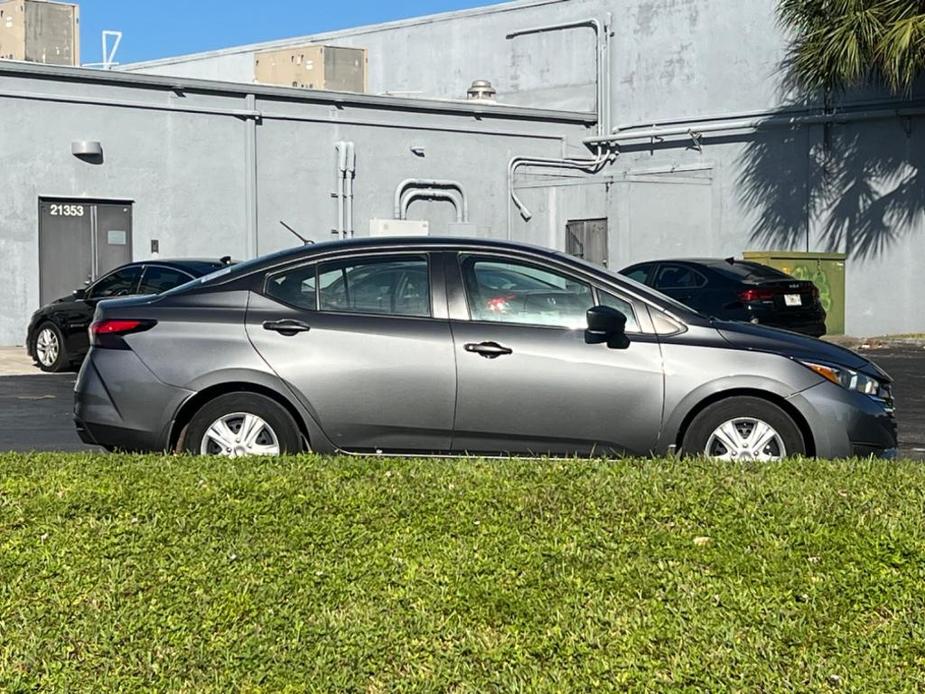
(228, 272)
(743, 269)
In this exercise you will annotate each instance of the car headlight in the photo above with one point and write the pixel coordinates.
(851, 379)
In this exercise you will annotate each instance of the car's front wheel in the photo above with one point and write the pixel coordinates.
(744, 428)
(49, 349)
(242, 424)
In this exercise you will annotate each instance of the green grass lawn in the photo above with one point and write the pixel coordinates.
(375, 575)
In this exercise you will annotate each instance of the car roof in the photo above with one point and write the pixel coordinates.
(374, 243)
(198, 266)
(693, 261)
(424, 243)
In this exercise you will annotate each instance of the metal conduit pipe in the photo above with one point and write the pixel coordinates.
(432, 194)
(251, 181)
(696, 129)
(427, 183)
(855, 107)
(341, 149)
(589, 165)
(349, 176)
(602, 68)
(608, 76)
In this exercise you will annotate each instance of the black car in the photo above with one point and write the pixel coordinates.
(739, 290)
(57, 337)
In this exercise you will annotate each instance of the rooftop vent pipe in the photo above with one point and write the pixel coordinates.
(481, 90)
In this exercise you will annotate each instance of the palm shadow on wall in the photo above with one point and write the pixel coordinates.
(856, 187)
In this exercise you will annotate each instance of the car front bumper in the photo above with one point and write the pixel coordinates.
(847, 424)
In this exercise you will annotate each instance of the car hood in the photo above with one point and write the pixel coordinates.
(765, 339)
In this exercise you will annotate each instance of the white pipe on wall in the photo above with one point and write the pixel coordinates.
(427, 183)
(602, 68)
(350, 175)
(769, 121)
(450, 194)
(589, 165)
(341, 149)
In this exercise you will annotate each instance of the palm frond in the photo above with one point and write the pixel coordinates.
(841, 43)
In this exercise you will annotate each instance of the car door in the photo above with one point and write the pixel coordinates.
(79, 312)
(527, 381)
(160, 278)
(681, 282)
(364, 341)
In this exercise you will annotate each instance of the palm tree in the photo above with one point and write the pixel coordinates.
(842, 43)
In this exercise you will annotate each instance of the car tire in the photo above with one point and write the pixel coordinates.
(737, 427)
(49, 350)
(242, 424)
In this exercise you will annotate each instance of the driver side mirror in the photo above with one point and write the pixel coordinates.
(606, 325)
(80, 294)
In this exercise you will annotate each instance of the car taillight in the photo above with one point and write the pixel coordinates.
(756, 294)
(108, 333)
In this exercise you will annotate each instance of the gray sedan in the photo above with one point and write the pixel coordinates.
(432, 345)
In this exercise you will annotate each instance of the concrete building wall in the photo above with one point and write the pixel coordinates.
(180, 153)
(668, 57)
(849, 185)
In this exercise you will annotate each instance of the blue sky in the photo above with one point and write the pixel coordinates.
(171, 27)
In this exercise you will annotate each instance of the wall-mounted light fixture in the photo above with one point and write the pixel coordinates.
(86, 148)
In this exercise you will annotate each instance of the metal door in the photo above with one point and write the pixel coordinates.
(113, 236)
(65, 248)
(587, 239)
(79, 241)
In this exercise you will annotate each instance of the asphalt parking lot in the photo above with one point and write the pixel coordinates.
(35, 410)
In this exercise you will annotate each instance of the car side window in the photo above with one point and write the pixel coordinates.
(390, 285)
(639, 273)
(519, 292)
(159, 279)
(623, 306)
(295, 286)
(121, 283)
(671, 276)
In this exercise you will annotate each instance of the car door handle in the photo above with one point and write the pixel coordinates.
(287, 327)
(489, 350)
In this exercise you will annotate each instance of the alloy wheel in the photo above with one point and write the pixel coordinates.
(745, 438)
(239, 434)
(47, 347)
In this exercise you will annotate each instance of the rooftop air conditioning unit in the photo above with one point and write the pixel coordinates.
(40, 32)
(313, 67)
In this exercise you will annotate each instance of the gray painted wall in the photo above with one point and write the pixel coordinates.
(185, 171)
(675, 60)
(671, 60)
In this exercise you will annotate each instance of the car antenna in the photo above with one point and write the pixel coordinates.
(307, 242)
(225, 260)
(731, 260)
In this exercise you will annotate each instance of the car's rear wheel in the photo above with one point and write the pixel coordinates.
(744, 428)
(242, 424)
(49, 349)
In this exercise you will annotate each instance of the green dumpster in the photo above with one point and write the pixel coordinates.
(825, 270)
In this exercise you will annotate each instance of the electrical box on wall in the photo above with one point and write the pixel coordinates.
(38, 31)
(398, 227)
(332, 68)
